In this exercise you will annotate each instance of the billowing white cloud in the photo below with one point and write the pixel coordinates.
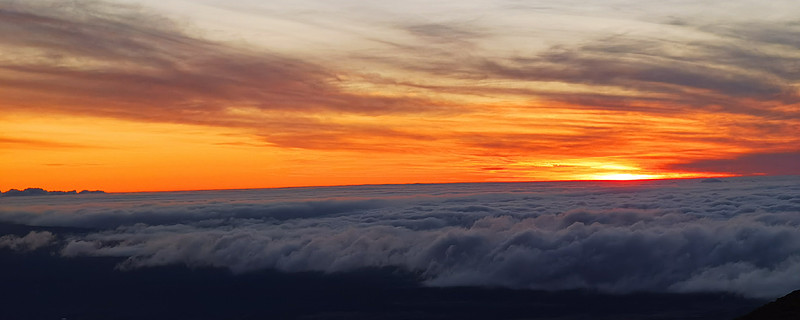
(739, 235)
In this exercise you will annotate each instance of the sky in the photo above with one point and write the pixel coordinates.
(209, 94)
(737, 235)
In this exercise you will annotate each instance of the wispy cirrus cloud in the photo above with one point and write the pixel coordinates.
(38, 144)
(479, 80)
(722, 72)
(124, 61)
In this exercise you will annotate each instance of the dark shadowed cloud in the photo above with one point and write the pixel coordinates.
(751, 164)
(31, 241)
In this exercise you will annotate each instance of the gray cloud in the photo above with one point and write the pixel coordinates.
(31, 241)
(741, 67)
(701, 76)
(445, 33)
(750, 164)
(662, 236)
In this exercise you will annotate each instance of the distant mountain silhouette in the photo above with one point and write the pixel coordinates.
(784, 308)
(42, 192)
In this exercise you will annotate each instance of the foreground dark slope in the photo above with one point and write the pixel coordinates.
(784, 308)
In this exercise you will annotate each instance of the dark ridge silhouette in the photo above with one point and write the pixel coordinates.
(43, 192)
(783, 308)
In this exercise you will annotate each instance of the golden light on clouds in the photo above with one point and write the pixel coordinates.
(624, 176)
(173, 96)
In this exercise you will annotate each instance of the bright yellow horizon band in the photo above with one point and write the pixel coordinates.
(67, 153)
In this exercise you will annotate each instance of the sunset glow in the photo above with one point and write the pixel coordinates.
(141, 95)
(625, 176)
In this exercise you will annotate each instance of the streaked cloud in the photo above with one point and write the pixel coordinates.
(482, 83)
(124, 61)
(37, 144)
(752, 164)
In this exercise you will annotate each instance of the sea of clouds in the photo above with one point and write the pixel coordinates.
(739, 235)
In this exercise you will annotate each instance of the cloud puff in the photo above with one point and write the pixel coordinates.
(31, 241)
(663, 236)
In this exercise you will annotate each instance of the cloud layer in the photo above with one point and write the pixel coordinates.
(737, 235)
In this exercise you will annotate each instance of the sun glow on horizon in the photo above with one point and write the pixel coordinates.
(626, 176)
(65, 153)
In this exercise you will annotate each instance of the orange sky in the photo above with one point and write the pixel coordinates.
(173, 95)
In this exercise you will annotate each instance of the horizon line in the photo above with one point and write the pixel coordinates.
(420, 183)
